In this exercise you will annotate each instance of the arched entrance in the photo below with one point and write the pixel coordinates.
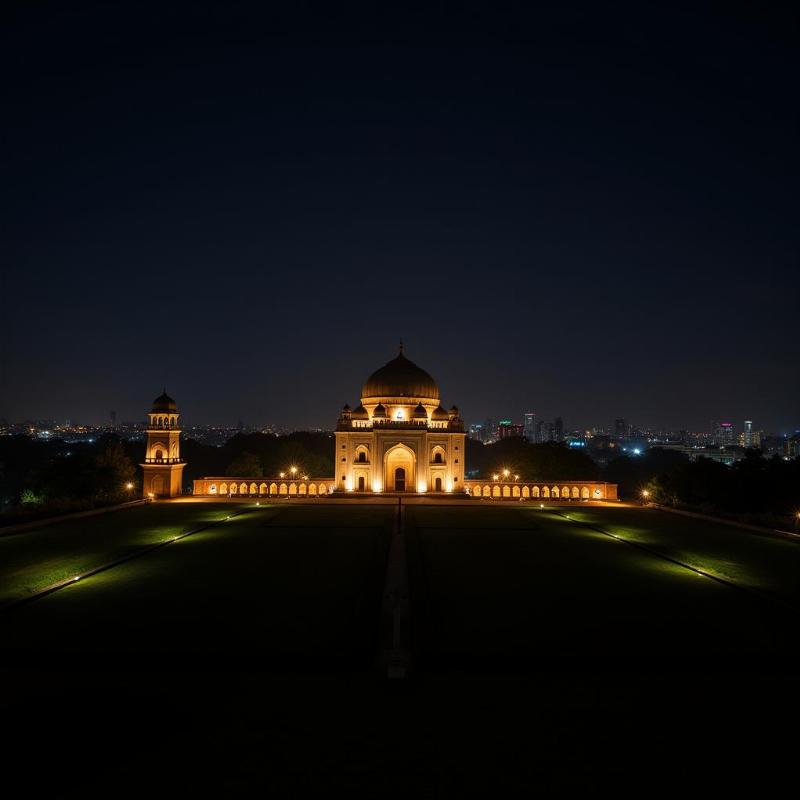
(362, 483)
(157, 485)
(399, 470)
(437, 484)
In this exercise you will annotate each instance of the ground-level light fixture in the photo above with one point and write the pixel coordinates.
(129, 485)
(645, 493)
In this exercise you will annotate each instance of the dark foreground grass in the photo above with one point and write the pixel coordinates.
(250, 590)
(542, 654)
(230, 734)
(35, 559)
(539, 591)
(763, 562)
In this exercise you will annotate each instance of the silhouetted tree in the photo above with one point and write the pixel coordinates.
(245, 465)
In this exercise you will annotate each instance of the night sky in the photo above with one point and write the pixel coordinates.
(586, 214)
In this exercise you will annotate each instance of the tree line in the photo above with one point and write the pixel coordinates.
(52, 477)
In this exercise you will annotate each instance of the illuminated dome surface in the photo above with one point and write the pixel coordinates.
(400, 378)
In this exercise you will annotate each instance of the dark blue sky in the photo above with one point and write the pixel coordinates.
(585, 213)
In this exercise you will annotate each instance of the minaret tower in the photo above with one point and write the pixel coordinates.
(163, 468)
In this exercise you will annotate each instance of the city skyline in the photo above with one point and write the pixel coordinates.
(738, 428)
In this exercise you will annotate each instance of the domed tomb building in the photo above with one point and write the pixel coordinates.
(399, 438)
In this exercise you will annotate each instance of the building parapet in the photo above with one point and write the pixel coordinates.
(406, 424)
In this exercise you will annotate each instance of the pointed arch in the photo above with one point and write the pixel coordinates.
(526, 492)
(400, 468)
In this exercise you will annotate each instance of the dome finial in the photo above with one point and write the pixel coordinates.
(401, 346)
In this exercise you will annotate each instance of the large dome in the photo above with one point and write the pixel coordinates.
(400, 378)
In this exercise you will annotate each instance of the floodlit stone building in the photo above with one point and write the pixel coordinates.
(399, 438)
(163, 467)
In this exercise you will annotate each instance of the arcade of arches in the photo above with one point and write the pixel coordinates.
(399, 438)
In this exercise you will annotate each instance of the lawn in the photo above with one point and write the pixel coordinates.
(35, 559)
(244, 656)
(520, 589)
(281, 586)
(766, 563)
(492, 588)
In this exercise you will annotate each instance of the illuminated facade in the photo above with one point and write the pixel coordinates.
(399, 438)
(163, 468)
(497, 489)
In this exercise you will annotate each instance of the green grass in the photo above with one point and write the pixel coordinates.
(284, 587)
(493, 588)
(594, 626)
(35, 559)
(554, 592)
(766, 563)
